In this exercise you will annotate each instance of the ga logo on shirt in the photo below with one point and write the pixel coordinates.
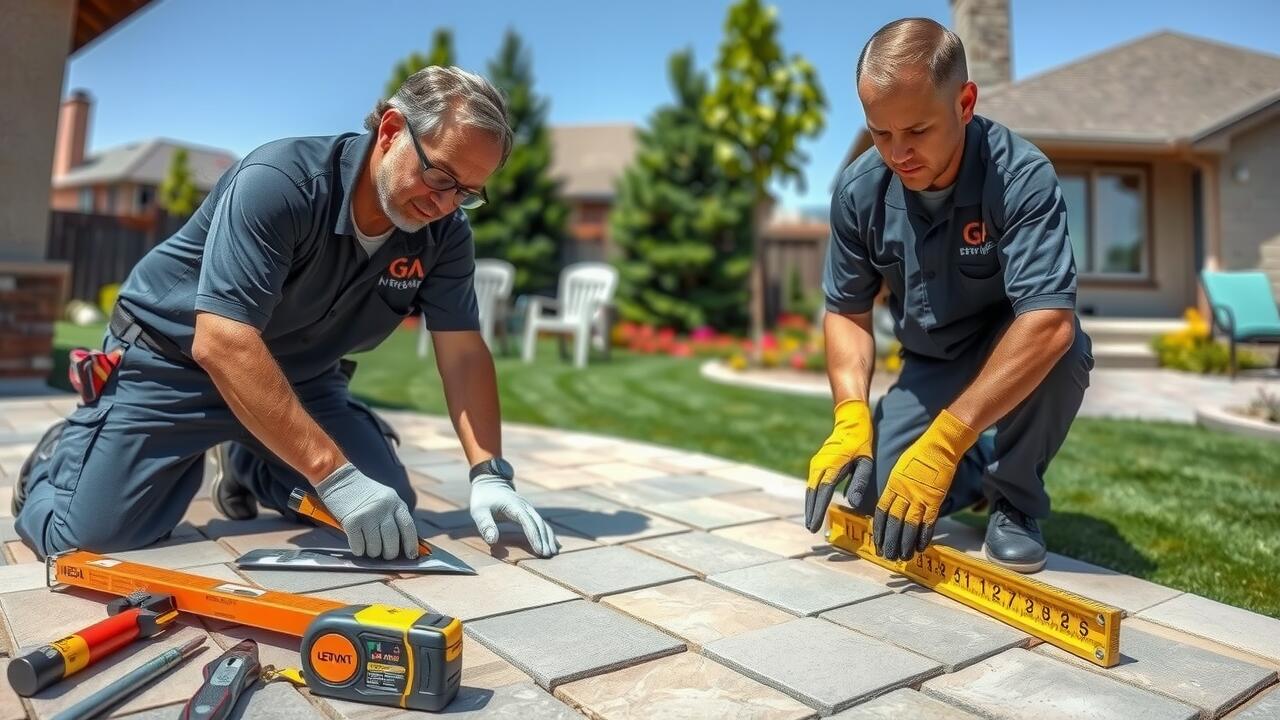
(403, 274)
(975, 238)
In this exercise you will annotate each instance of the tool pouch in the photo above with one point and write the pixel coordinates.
(89, 371)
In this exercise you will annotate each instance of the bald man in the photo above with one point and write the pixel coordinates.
(964, 223)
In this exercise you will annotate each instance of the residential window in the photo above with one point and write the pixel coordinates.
(86, 200)
(145, 198)
(1107, 211)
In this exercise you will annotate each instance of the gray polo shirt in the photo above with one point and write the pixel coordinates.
(274, 246)
(998, 247)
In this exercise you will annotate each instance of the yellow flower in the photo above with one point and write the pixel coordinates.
(789, 345)
(738, 362)
(770, 358)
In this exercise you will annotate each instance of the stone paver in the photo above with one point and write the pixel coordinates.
(681, 686)
(617, 527)
(1264, 707)
(632, 494)
(1229, 625)
(622, 471)
(566, 642)
(20, 553)
(768, 503)
(496, 589)
(295, 537)
(1214, 683)
(708, 513)
(840, 561)
(1019, 684)
(948, 635)
(309, 581)
(513, 545)
(704, 553)
(26, 576)
(606, 571)
(902, 704)
(10, 704)
(696, 612)
(797, 587)
(368, 593)
(560, 478)
(800, 659)
(777, 536)
(695, 486)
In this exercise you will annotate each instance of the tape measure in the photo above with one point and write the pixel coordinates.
(1083, 627)
(385, 655)
(379, 654)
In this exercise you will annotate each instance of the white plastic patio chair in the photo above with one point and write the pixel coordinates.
(580, 310)
(493, 282)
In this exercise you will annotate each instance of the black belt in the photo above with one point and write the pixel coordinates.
(126, 327)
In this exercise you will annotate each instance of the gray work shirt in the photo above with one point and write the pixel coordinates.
(273, 246)
(998, 248)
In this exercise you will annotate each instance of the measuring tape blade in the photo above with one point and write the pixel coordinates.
(1083, 627)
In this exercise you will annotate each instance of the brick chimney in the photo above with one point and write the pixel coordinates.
(73, 130)
(983, 27)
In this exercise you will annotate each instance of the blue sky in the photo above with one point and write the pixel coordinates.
(239, 73)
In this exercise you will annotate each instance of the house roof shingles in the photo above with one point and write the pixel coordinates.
(147, 163)
(1163, 88)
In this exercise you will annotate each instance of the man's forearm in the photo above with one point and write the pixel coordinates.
(471, 393)
(851, 355)
(1026, 352)
(261, 397)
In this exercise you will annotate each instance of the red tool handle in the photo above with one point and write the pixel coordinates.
(115, 632)
(48, 664)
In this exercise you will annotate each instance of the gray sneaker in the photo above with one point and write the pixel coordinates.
(40, 453)
(229, 496)
(1013, 539)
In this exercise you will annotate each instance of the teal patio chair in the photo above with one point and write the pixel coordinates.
(1243, 308)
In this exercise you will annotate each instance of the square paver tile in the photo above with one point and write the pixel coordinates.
(622, 471)
(496, 589)
(27, 576)
(902, 704)
(707, 513)
(777, 536)
(797, 587)
(295, 537)
(1229, 625)
(220, 527)
(566, 642)
(760, 479)
(696, 612)
(565, 458)
(308, 581)
(952, 637)
(689, 462)
(513, 546)
(554, 503)
(606, 570)
(1212, 682)
(614, 528)
(1126, 592)
(1264, 707)
(561, 478)
(451, 490)
(7, 532)
(20, 553)
(775, 506)
(695, 486)
(1020, 684)
(632, 494)
(796, 658)
(368, 593)
(10, 704)
(176, 686)
(519, 701)
(704, 553)
(680, 686)
(843, 562)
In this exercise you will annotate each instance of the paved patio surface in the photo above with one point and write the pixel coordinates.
(687, 589)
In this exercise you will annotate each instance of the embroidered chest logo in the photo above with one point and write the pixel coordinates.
(403, 274)
(975, 239)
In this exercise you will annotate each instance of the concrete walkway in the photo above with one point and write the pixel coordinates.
(686, 588)
(1162, 395)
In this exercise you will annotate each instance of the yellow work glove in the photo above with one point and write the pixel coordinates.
(908, 507)
(846, 452)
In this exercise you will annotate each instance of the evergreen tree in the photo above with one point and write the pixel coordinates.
(441, 53)
(681, 223)
(524, 220)
(178, 193)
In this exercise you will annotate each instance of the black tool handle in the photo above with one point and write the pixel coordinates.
(224, 679)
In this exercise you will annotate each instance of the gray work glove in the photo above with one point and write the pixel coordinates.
(493, 495)
(376, 520)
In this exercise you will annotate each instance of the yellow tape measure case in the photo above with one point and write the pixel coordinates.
(386, 655)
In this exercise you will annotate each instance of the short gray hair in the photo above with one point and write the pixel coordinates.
(437, 94)
(913, 44)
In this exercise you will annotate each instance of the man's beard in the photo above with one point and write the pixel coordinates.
(382, 187)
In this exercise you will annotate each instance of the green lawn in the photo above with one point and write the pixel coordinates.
(1180, 506)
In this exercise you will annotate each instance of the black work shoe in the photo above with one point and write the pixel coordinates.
(1013, 539)
(230, 497)
(40, 453)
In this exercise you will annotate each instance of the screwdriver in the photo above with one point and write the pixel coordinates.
(106, 698)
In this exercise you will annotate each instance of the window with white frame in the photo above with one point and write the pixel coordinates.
(1107, 211)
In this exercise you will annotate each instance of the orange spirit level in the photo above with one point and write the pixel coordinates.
(409, 658)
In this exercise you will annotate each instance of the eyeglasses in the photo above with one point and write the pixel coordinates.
(441, 181)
